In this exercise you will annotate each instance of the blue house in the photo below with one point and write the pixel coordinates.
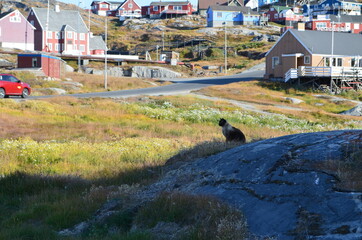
(333, 7)
(218, 15)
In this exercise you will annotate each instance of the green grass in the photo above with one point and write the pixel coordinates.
(62, 158)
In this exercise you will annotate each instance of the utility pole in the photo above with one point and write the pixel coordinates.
(105, 58)
(226, 52)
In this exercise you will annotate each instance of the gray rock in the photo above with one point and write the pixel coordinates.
(294, 100)
(277, 185)
(68, 68)
(153, 72)
(356, 111)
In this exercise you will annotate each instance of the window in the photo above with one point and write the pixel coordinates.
(69, 35)
(58, 35)
(15, 18)
(32, 22)
(276, 15)
(339, 62)
(356, 26)
(49, 34)
(82, 36)
(155, 8)
(57, 47)
(75, 36)
(104, 6)
(320, 25)
(306, 59)
(130, 5)
(219, 14)
(275, 62)
(82, 48)
(34, 62)
(50, 46)
(177, 7)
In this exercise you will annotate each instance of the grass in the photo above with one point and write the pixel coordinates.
(62, 158)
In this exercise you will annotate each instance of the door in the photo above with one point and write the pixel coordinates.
(16, 85)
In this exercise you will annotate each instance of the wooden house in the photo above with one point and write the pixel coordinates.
(127, 9)
(219, 15)
(342, 23)
(97, 46)
(22, 32)
(317, 55)
(167, 9)
(333, 7)
(284, 15)
(103, 8)
(203, 5)
(62, 32)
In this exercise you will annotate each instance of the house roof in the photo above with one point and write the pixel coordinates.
(168, 3)
(346, 18)
(97, 43)
(233, 9)
(125, 1)
(320, 42)
(57, 20)
(2, 15)
(204, 4)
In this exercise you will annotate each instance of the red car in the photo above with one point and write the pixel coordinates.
(11, 86)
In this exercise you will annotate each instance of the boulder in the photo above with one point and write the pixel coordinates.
(356, 111)
(281, 185)
(153, 72)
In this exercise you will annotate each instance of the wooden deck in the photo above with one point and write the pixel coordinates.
(333, 72)
(331, 79)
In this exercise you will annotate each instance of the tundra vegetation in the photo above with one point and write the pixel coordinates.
(62, 158)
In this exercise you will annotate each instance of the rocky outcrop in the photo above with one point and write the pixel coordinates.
(356, 111)
(290, 187)
(153, 72)
(280, 186)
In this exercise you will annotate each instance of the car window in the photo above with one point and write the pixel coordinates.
(5, 78)
(13, 79)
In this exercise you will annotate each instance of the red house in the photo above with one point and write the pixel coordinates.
(284, 15)
(127, 9)
(167, 9)
(102, 8)
(50, 65)
(22, 32)
(62, 32)
(342, 23)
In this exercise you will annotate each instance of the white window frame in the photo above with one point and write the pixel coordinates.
(49, 34)
(275, 61)
(307, 59)
(50, 46)
(155, 8)
(130, 5)
(177, 8)
(219, 14)
(82, 36)
(82, 48)
(58, 35)
(57, 45)
(70, 35)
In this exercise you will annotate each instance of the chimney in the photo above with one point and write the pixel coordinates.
(57, 8)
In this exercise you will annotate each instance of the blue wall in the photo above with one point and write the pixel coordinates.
(217, 18)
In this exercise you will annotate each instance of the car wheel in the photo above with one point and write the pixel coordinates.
(25, 93)
(2, 92)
